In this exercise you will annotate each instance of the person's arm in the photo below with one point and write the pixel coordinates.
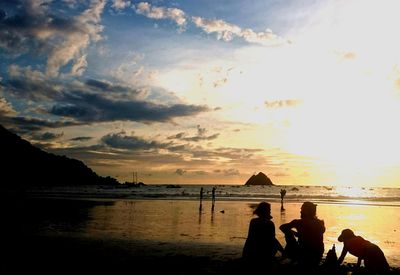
(286, 227)
(341, 258)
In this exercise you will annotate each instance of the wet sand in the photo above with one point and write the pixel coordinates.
(172, 235)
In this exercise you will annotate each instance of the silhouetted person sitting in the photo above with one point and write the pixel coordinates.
(309, 246)
(374, 259)
(261, 244)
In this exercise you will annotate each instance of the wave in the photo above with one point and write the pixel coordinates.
(321, 194)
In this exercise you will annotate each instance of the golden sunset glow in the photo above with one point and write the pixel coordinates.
(313, 101)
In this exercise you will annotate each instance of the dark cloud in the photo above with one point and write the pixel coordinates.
(180, 172)
(228, 172)
(122, 141)
(97, 108)
(106, 86)
(200, 136)
(177, 136)
(92, 101)
(81, 138)
(36, 90)
(29, 124)
(46, 136)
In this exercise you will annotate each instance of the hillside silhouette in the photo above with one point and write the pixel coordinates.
(26, 165)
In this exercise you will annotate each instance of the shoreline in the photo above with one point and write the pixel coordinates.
(76, 196)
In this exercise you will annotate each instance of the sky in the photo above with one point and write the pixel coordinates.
(207, 91)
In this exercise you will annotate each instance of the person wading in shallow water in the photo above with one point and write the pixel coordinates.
(201, 198)
(309, 246)
(213, 198)
(283, 193)
(374, 259)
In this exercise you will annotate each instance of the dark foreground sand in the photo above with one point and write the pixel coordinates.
(63, 254)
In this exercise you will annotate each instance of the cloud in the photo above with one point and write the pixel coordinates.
(227, 172)
(33, 28)
(46, 136)
(282, 103)
(29, 124)
(199, 137)
(80, 65)
(120, 4)
(226, 31)
(177, 136)
(81, 138)
(176, 15)
(6, 108)
(122, 141)
(180, 172)
(97, 108)
(96, 100)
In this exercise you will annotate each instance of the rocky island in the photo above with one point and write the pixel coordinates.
(259, 179)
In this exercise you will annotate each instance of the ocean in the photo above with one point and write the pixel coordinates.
(294, 193)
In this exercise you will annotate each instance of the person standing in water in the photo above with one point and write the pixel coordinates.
(283, 193)
(213, 198)
(201, 198)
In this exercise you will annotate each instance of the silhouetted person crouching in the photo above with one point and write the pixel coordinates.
(374, 259)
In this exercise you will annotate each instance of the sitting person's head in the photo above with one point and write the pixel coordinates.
(346, 234)
(263, 210)
(308, 210)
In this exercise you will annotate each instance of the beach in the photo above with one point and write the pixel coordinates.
(175, 234)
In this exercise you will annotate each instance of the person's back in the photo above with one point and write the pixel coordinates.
(311, 235)
(310, 231)
(261, 244)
